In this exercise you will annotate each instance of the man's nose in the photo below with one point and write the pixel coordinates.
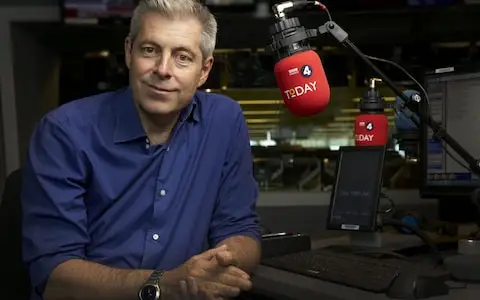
(163, 67)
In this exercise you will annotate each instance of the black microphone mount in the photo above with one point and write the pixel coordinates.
(288, 36)
(439, 132)
(372, 102)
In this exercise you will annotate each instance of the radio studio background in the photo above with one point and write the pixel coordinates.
(52, 52)
(55, 58)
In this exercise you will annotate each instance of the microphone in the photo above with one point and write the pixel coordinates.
(298, 69)
(371, 125)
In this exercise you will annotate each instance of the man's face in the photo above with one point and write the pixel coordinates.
(166, 64)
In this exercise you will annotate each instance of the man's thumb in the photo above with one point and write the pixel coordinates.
(223, 258)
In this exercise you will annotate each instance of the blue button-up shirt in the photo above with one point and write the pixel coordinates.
(95, 189)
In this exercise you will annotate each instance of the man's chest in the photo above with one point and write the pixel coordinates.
(144, 202)
(147, 182)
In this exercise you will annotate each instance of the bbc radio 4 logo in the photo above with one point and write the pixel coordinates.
(299, 90)
(365, 137)
(368, 125)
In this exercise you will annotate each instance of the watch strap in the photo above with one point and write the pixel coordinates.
(155, 277)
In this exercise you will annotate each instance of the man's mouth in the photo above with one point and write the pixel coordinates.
(159, 89)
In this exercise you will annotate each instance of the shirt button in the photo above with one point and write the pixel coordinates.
(163, 192)
(168, 149)
(155, 236)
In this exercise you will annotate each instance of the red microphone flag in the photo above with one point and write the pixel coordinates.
(303, 83)
(371, 130)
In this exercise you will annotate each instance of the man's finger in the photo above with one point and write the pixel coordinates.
(235, 281)
(184, 290)
(224, 291)
(209, 254)
(235, 271)
(192, 288)
(210, 267)
(226, 258)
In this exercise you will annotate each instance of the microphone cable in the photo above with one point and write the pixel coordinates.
(418, 84)
(324, 8)
(391, 208)
(422, 235)
(427, 100)
(390, 221)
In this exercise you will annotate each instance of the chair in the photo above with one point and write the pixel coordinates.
(15, 283)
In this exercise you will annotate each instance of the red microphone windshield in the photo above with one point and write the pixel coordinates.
(303, 83)
(371, 130)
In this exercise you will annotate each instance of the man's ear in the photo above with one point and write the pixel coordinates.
(206, 68)
(128, 51)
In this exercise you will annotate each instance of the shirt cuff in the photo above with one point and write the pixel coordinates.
(254, 234)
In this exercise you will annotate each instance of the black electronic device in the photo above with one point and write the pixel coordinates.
(453, 96)
(356, 192)
(398, 278)
(281, 243)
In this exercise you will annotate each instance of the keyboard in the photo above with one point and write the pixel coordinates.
(357, 271)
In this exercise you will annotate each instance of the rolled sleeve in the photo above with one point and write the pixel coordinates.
(54, 221)
(235, 212)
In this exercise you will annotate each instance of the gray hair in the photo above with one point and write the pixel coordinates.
(178, 9)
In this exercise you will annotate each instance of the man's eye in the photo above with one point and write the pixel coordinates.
(148, 50)
(183, 57)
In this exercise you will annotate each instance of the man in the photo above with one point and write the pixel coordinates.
(123, 191)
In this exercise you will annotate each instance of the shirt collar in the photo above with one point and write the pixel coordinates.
(128, 126)
(191, 112)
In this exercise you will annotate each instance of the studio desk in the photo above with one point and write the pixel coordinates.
(278, 284)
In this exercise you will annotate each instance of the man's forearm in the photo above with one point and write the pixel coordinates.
(246, 250)
(82, 280)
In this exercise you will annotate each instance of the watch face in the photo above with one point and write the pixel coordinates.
(150, 292)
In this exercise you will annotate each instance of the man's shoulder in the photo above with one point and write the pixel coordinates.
(83, 110)
(216, 106)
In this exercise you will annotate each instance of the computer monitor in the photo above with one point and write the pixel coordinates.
(455, 103)
(356, 193)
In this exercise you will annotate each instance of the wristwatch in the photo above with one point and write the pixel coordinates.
(151, 289)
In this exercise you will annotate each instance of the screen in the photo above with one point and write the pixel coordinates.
(454, 103)
(91, 11)
(355, 198)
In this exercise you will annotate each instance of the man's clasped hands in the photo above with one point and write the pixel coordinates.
(212, 275)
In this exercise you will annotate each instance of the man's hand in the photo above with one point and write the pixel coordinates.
(226, 258)
(208, 276)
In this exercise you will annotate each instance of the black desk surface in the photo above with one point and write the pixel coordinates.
(284, 285)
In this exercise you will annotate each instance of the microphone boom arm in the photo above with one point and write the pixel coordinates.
(439, 132)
